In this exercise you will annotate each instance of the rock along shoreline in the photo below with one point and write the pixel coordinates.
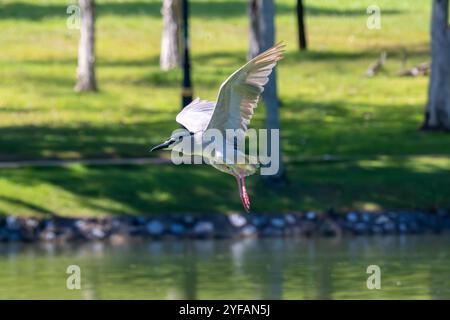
(223, 226)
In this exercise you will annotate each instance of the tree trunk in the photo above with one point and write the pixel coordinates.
(437, 114)
(262, 37)
(86, 50)
(187, 84)
(301, 25)
(170, 51)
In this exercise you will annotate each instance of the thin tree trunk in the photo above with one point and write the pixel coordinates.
(170, 51)
(86, 50)
(262, 37)
(301, 25)
(254, 12)
(187, 83)
(437, 114)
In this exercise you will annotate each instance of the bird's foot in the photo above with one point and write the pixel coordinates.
(245, 199)
(243, 193)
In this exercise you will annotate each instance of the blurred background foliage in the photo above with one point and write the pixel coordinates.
(328, 108)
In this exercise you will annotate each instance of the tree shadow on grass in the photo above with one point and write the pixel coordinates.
(309, 128)
(341, 128)
(394, 52)
(25, 205)
(211, 10)
(130, 189)
(312, 10)
(83, 140)
(199, 189)
(351, 185)
(238, 58)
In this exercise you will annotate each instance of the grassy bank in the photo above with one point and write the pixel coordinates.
(328, 107)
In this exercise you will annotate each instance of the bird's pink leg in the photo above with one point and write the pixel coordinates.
(243, 193)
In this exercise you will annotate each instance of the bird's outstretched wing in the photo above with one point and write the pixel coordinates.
(239, 94)
(196, 115)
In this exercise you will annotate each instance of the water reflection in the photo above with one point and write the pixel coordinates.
(412, 267)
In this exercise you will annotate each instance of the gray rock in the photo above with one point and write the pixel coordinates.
(259, 221)
(367, 217)
(352, 217)
(402, 227)
(177, 229)
(48, 235)
(203, 228)
(311, 215)
(98, 233)
(382, 219)
(155, 228)
(249, 230)
(31, 223)
(361, 228)
(12, 223)
(237, 220)
(81, 225)
(389, 227)
(277, 222)
(290, 219)
(188, 219)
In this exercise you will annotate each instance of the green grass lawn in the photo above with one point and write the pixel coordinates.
(328, 107)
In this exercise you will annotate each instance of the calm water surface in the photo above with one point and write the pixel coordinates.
(412, 267)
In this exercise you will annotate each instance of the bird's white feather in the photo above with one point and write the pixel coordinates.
(239, 94)
(237, 97)
(196, 115)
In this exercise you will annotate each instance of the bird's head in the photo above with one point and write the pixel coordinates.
(174, 139)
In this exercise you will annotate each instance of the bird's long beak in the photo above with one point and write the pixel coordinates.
(162, 145)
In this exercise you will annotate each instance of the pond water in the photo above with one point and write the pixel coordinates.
(412, 267)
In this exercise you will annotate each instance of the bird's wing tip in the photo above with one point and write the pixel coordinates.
(277, 50)
(275, 53)
(280, 44)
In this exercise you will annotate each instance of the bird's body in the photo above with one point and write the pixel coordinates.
(237, 98)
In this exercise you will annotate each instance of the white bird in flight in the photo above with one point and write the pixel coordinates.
(237, 98)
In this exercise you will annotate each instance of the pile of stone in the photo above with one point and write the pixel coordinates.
(235, 225)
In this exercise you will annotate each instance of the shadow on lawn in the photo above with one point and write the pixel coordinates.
(83, 140)
(309, 128)
(394, 53)
(134, 189)
(343, 12)
(222, 65)
(180, 189)
(24, 205)
(237, 58)
(219, 9)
